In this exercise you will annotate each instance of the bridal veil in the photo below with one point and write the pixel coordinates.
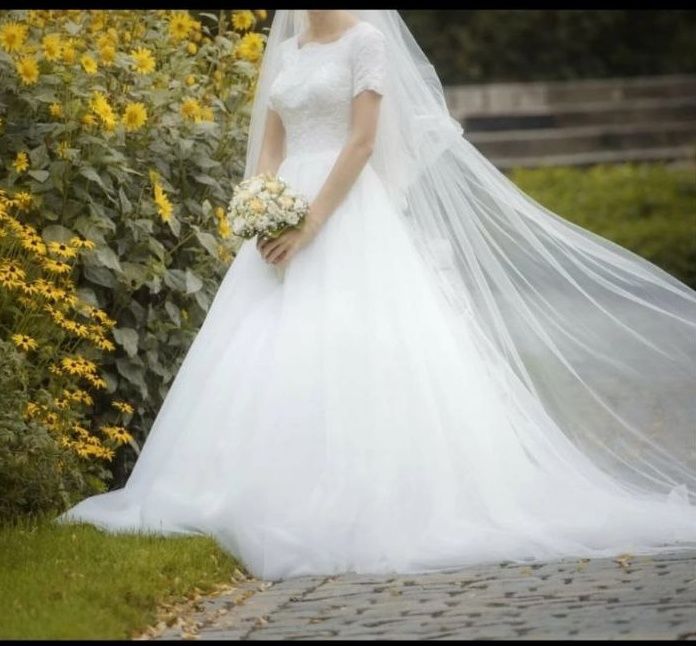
(603, 339)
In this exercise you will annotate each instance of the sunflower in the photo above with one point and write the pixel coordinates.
(261, 14)
(28, 70)
(243, 20)
(180, 25)
(143, 60)
(250, 47)
(101, 107)
(164, 206)
(224, 228)
(63, 149)
(12, 36)
(52, 47)
(69, 52)
(56, 110)
(24, 342)
(89, 65)
(191, 109)
(107, 55)
(21, 162)
(134, 116)
(89, 120)
(62, 249)
(207, 114)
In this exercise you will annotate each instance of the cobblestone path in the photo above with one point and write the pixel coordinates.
(642, 597)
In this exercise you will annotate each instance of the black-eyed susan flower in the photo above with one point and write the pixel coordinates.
(24, 342)
(62, 249)
(122, 406)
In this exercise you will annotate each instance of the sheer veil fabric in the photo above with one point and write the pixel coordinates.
(602, 339)
(446, 374)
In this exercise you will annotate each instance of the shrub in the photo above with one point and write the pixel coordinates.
(647, 208)
(125, 130)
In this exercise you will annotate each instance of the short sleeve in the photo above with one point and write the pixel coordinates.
(369, 60)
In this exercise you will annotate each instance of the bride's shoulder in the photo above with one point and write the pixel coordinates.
(367, 39)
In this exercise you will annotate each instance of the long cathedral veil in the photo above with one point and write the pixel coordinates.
(604, 340)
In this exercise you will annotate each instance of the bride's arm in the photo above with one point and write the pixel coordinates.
(272, 146)
(346, 169)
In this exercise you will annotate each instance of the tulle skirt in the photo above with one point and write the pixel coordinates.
(339, 416)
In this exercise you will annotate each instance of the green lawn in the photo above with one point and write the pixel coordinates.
(76, 582)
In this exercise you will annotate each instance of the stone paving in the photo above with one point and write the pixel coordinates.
(642, 597)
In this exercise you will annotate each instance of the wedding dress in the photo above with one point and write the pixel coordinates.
(345, 415)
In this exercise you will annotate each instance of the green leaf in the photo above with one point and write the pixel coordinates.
(107, 257)
(39, 175)
(93, 176)
(173, 312)
(174, 225)
(127, 338)
(56, 233)
(193, 282)
(176, 279)
(126, 205)
(156, 247)
(100, 275)
(134, 372)
(208, 241)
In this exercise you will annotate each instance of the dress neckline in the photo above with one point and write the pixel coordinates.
(328, 42)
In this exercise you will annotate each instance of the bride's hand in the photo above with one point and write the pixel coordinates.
(278, 251)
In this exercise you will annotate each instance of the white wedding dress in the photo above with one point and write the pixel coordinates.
(330, 419)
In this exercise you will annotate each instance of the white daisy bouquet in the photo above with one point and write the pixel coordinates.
(265, 206)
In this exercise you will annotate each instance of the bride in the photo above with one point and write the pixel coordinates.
(432, 371)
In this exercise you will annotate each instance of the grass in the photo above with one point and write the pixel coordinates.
(77, 582)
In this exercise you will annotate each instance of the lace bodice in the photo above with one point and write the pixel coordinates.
(316, 83)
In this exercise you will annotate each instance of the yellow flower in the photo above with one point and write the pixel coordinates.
(21, 162)
(250, 47)
(190, 79)
(219, 213)
(52, 47)
(107, 54)
(207, 114)
(80, 243)
(62, 249)
(116, 433)
(55, 266)
(164, 206)
(143, 60)
(243, 20)
(35, 245)
(63, 149)
(191, 109)
(191, 48)
(28, 70)
(105, 344)
(24, 342)
(89, 120)
(124, 407)
(23, 200)
(134, 116)
(11, 274)
(180, 25)
(12, 36)
(69, 51)
(97, 382)
(56, 109)
(261, 14)
(224, 228)
(88, 64)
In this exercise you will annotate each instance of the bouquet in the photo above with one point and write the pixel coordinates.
(265, 206)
